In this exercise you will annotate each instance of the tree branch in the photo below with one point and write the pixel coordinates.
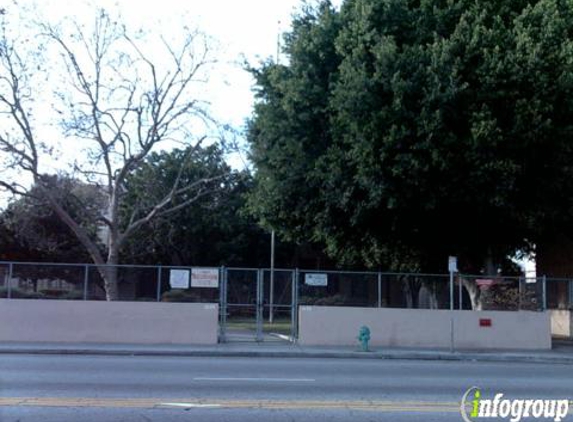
(162, 208)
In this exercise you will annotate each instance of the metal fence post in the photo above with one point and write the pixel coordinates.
(223, 305)
(86, 280)
(260, 306)
(451, 290)
(379, 289)
(9, 287)
(544, 297)
(158, 287)
(296, 301)
(226, 301)
(520, 293)
(6, 282)
(272, 279)
(293, 306)
(461, 294)
(452, 347)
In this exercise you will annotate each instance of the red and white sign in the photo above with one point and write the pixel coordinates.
(205, 277)
(485, 283)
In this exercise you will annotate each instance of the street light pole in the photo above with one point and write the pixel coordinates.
(272, 275)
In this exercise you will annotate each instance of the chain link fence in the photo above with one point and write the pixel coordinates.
(559, 293)
(277, 292)
(374, 289)
(501, 293)
(20, 280)
(41, 281)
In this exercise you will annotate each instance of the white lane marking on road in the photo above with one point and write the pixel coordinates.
(189, 405)
(255, 379)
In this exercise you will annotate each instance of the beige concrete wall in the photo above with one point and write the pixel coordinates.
(338, 326)
(108, 322)
(333, 326)
(561, 322)
(509, 330)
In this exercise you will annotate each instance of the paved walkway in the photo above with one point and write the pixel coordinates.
(561, 354)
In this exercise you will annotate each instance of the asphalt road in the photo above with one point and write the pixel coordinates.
(107, 388)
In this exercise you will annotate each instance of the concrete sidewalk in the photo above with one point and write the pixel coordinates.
(562, 353)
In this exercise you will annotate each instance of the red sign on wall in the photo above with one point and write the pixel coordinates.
(485, 322)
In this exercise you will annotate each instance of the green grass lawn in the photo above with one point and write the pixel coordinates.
(280, 326)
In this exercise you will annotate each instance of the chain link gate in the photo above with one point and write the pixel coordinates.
(257, 305)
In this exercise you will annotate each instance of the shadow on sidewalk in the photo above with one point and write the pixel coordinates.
(563, 344)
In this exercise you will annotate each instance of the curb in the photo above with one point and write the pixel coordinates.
(426, 356)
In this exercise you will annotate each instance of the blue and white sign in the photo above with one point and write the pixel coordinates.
(314, 279)
(453, 264)
(179, 279)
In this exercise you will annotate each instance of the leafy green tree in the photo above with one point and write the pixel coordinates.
(216, 229)
(32, 231)
(212, 231)
(441, 128)
(10, 248)
(290, 130)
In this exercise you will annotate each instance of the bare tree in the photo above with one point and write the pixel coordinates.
(117, 98)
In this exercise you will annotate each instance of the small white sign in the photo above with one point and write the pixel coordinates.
(205, 277)
(179, 279)
(530, 280)
(316, 279)
(453, 264)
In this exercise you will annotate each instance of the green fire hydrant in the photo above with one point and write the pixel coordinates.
(364, 337)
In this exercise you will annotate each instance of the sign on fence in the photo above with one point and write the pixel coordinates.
(530, 280)
(205, 277)
(485, 283)
(312, 279)
(179, 279)
(453, 264)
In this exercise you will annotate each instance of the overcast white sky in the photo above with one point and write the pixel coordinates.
(246, 28)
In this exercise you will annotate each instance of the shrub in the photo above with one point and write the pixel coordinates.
(73, 295)
(334, 300)
(16, 293)
(180, 296)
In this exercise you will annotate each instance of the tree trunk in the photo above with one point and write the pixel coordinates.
(474, 293)
(110, 271)
(411, 291)
(427, 298)
(431, 287)
(107, 270)
(489, 265)
(109, 275)
(407, 293)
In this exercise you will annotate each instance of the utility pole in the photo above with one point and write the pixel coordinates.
(272, 275)
(278, 41)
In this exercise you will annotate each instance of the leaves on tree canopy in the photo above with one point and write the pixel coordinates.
(403, 131)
